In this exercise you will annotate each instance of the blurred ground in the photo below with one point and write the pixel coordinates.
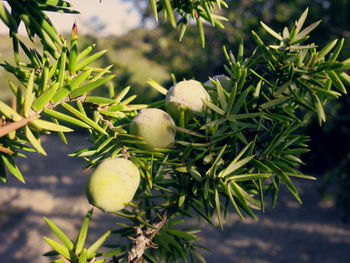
(311, 233)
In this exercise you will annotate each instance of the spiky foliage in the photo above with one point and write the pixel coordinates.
(240, 150)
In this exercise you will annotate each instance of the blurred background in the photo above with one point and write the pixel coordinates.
(139, 50)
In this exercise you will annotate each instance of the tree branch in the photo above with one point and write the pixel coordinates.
(6, 150)
(6, 129)
(143, 240)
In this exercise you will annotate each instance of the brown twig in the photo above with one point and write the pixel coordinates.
(6, 150)
(14, 103)
(143, 240)
(6, 129)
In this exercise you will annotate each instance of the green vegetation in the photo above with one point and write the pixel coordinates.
(238, 151)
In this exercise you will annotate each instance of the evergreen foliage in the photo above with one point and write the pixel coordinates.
(239, 151)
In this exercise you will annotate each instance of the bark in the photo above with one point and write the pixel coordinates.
(143, 240)
(6, 129)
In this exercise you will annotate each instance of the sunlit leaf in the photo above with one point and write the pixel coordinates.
(59, 234)
(98, 243)
(62, 250)
(11, 166)
(271, 31)
(34, 141)
(47, 125)
(83, 232)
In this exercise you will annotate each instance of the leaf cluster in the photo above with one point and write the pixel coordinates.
(180, 13)
(36, 22)
(75, 251)
(42, 100)
(244, 147)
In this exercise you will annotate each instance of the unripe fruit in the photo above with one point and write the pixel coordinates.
(155, 126)
(113, 184)
(186, 95)
(223, 79)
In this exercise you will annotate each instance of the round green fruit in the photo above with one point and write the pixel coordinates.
(223, 79)
(155, 126)
(113, 184)
(186, 95)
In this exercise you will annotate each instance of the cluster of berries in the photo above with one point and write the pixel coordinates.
(115, 181)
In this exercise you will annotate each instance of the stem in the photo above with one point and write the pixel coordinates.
(6, 150)
(144, 238)
(6, 129)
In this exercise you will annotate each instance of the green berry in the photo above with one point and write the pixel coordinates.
(186, 95)
(113, 184)
(155, 126)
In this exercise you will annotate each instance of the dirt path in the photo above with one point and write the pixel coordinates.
(311, 233)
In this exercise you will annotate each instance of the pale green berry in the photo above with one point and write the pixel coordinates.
(186, 95)
(223, 79)
(155, 126)
(113, 184)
